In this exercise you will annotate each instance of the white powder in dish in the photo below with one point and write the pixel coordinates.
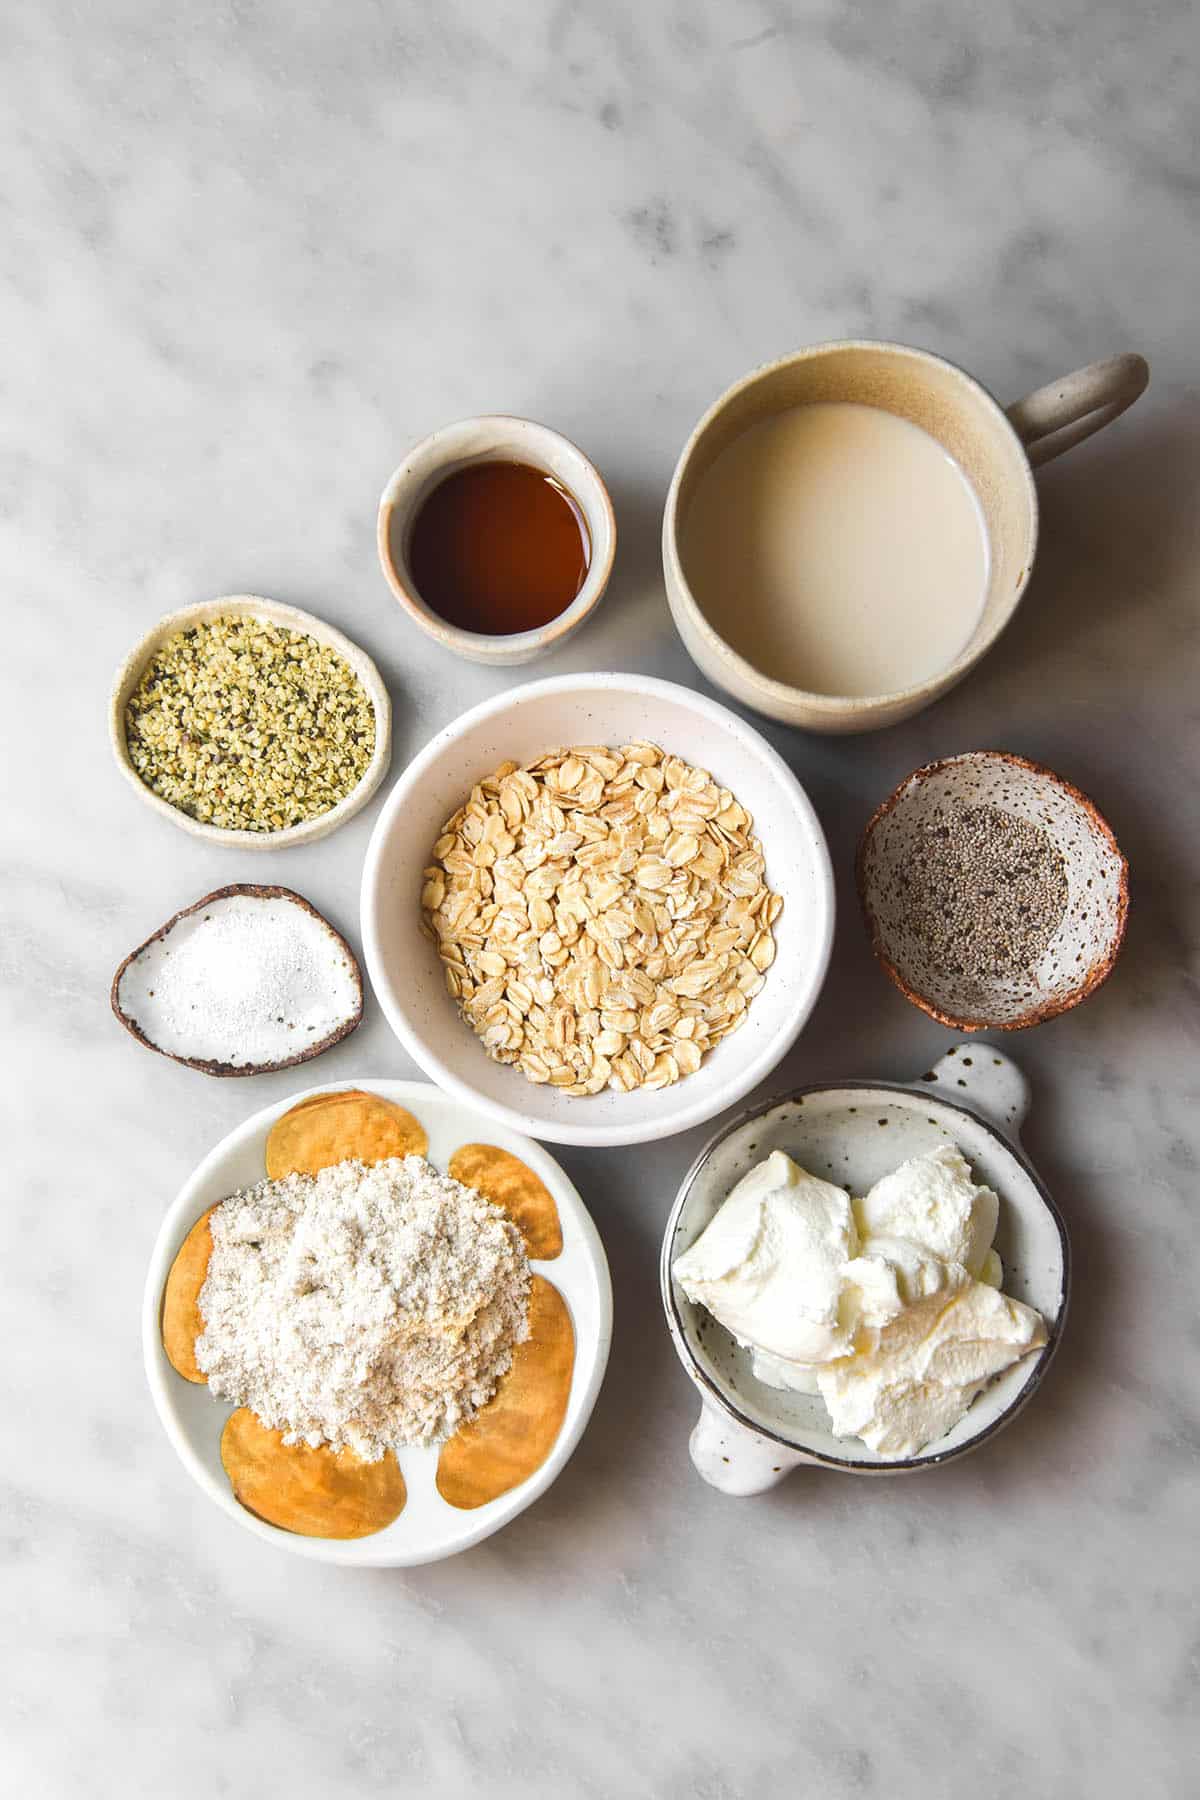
(244, 980)
(363, 1307)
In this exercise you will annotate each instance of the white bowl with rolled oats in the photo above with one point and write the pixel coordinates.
(598, 907)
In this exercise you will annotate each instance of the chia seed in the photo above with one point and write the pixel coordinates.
(985, 893)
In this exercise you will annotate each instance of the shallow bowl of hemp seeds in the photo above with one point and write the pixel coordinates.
(993, 890)
(250, 723)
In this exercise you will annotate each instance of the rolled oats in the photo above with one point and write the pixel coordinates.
(602, 916)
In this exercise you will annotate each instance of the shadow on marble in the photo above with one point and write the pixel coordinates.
(1115, 539)
(638, 567)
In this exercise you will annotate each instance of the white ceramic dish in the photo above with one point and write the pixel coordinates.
(253, 606)
(750, 1436)
(522, 724)
(495, 437)
(428, 1529)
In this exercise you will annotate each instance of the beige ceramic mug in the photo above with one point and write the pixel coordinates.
(996, 450)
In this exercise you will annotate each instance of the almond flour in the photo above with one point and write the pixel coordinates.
(362, 1307)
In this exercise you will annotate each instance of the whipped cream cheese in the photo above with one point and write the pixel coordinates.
(927, 1366)
(933, 1201)
(769, 1264)
(887, 1306)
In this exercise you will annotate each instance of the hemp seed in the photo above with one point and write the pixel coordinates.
(249, 726)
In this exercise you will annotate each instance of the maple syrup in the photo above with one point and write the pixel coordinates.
(498, 548)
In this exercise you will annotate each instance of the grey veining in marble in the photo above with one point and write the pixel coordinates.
(249, 252)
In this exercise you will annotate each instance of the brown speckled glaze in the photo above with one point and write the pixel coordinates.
(1086, 944)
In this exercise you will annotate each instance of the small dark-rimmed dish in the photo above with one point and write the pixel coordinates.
(208, 1065)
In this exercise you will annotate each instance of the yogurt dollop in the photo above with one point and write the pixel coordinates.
(769, 1264)
(887, 1306)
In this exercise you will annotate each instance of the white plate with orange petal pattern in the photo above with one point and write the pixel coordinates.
(428, 1528)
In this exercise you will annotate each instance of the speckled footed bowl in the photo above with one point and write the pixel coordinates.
(750, 1436)
(1088, 941)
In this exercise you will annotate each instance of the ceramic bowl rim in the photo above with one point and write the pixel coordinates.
(294, 619)
(357, 1553)
(850, 1463)
(514, 646)
(1098, 970)
(782, 692)
(687, 1116)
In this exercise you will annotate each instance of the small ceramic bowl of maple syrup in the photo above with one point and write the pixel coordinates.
(497, 537)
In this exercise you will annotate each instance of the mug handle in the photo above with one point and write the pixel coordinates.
(1060, 415)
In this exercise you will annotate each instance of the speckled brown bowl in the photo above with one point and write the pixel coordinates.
(1088, 941)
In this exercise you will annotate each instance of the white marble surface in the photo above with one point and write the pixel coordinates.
(248, 253)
